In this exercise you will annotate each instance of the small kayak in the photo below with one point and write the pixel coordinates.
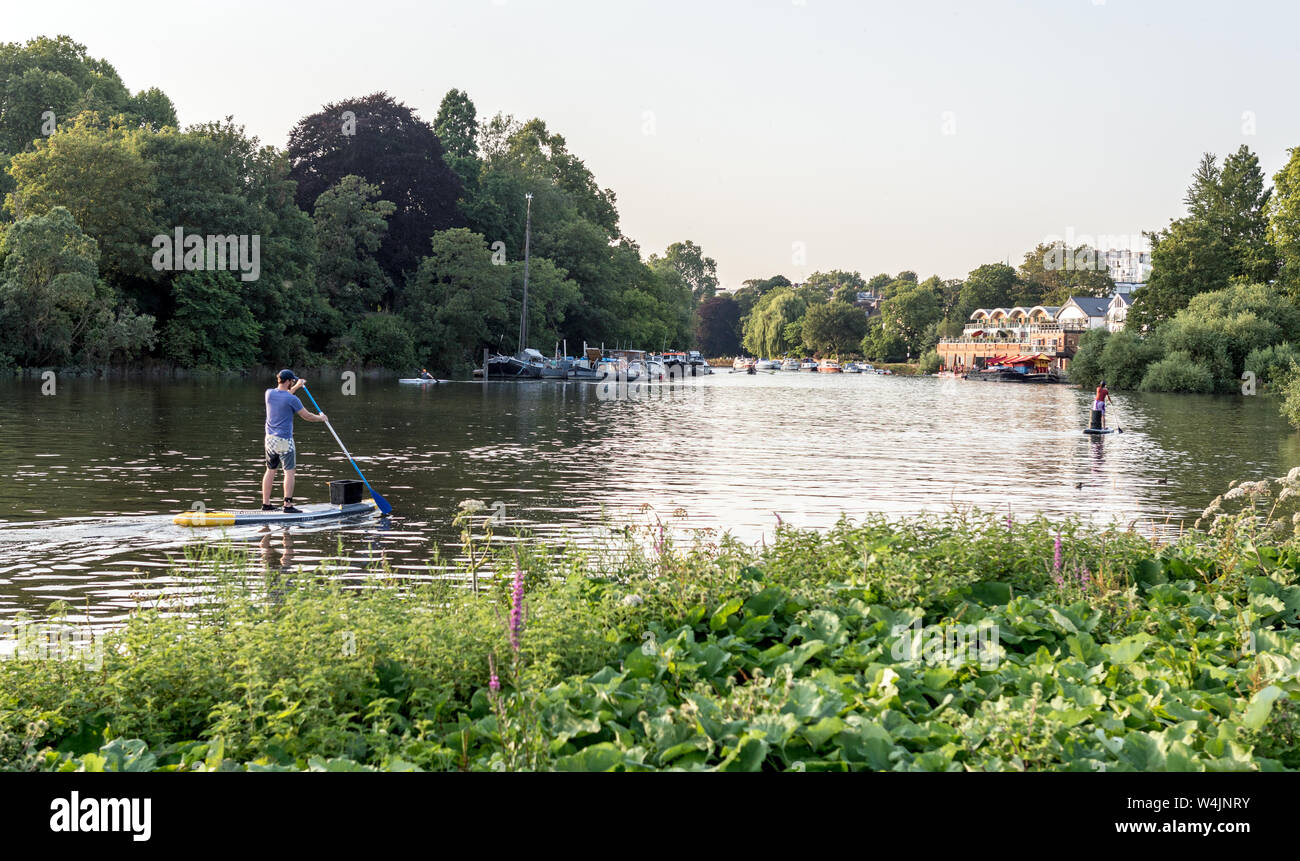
(310, 513)
(422, 382)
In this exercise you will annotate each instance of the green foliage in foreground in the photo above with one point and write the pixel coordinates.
(1125, 654)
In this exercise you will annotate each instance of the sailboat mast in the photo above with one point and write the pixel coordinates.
(528, 232)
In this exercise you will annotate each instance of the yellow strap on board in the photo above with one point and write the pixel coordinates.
(204, 518)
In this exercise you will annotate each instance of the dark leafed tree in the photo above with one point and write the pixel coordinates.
(382, 141)
(717, 326)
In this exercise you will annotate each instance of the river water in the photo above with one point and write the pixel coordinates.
(92, 473)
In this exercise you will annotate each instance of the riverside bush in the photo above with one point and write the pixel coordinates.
(1271, 364)
(1178, 372)
(1115, 652)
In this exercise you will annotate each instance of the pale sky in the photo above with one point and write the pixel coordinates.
(750, 127)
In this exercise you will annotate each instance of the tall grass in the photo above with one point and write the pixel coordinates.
(1122, 650)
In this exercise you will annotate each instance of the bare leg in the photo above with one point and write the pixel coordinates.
(288, 484)
(268, 484)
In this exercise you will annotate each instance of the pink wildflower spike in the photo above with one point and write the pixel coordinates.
(517, 609)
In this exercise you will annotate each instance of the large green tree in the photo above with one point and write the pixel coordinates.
(1053, 272)
(910, 314)
(1223, 236)
(457, 127)
(699, 272)
(1284, 222)
(833, 327)
(100, 175)
(382, 140)
(58, 76)
(992, 285)
(837, 284)
(54, 309)
(350, 221)
(457, 302)
(765, 329)
(212, 326)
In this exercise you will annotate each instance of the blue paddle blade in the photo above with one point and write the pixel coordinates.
(381, 503)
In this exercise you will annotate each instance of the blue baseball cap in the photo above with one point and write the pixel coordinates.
(287, 374)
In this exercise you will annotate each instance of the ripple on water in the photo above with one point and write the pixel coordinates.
(731, 451)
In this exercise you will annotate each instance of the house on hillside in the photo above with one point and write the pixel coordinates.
(1088, 312)
(1117, 311)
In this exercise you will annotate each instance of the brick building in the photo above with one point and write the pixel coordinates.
(1049, 331)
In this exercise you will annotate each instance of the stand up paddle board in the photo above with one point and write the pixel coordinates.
(309, 513)
(1102, 430)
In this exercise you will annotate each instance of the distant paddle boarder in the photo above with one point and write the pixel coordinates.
(282, 405)
(1099, 406)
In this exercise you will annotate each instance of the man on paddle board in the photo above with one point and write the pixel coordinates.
(282, 405)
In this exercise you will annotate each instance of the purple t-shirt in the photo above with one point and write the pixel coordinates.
(281, 407)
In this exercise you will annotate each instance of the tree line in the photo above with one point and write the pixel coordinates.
(382, 239)
(1220, 303)
(904, 319)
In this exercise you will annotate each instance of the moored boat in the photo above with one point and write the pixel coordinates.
(790, 364)
(525, 365)
(698, 364)
(808, 365)
(828, 366)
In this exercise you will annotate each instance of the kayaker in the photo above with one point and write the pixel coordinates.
(1099, 402)
(282, 405)
(425, 375)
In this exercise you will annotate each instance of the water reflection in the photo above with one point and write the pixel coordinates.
(92, 474)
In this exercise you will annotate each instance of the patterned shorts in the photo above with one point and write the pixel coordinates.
(280, 453)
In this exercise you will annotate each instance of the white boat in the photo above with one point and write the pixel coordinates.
(790, 365)
(698, 364)
(829, 366)
(767, 365)
(808, 365)
(743, 364)
(852, 368)
(652, 368)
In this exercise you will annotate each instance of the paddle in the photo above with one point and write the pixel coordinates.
(380, 502)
